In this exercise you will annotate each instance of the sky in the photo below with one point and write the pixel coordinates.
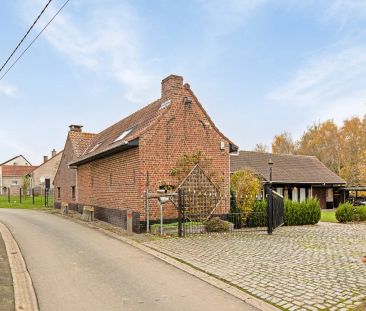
(259, 67)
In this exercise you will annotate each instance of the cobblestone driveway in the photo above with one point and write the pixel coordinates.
(297, 268)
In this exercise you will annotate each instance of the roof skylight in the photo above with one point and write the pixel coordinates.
(123, 134)
(95, 147)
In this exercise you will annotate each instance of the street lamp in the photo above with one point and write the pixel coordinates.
(270, 164)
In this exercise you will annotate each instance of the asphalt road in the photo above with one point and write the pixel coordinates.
(77, 268)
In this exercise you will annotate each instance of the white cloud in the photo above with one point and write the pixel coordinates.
(330, 84)
(226, 16)
(345, 11)
(8, 89)
(105, 41)
(11, 146)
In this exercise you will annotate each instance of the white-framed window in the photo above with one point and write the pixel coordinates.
(302, 194)
(295, 194)
(14, 183)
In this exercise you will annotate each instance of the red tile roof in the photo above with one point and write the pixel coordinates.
(286, 168)
(136, 123)
(80, 141)
(16, 170)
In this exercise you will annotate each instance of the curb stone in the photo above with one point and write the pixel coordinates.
(24, 294)
(226, 287)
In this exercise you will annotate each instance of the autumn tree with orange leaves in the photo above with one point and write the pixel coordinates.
(341, 148)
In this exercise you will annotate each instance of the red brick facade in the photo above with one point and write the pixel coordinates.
(65, 178)
(181, 126)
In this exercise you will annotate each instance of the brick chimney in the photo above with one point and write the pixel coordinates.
(170, 86)
(75, 128)
(45, 159)
(53, 152)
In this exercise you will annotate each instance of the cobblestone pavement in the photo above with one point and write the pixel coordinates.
(297, 268)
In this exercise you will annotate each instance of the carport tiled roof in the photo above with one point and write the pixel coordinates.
(17, 170)
(286, 168)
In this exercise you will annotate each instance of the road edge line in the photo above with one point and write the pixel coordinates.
(24, 293)
(186, 267)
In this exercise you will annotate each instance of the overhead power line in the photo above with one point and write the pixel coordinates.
(34, 40)
(26, 34)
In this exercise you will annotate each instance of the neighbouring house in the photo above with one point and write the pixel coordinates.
(12, 173)
(42, 177)
(296, 177)
(139, 153)
(65, 183)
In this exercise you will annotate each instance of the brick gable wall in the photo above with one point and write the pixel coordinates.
(184, 129)
(65, 177)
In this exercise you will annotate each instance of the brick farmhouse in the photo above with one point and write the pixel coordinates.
(12, 173)
(112, 170)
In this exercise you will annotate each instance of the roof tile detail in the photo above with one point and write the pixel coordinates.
(17, 170)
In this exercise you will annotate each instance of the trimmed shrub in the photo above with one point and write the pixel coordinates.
(216, 224)
(345, 212)
(258, 216)
(302, 213)
(360, 213)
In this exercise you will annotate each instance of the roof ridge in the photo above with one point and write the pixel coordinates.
(281, 154)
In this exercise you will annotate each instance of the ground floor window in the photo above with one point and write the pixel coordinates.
(295, 194)
(58, 192)
(302, 194)
(73, 192)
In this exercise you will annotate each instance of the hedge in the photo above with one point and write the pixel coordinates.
(346, 212)
(302, 213)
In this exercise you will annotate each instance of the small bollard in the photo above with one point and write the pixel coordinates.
(88, 213)
(64, 208)
(129, 221)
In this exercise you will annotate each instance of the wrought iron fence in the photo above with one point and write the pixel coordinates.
(230, 222)
(202, 212)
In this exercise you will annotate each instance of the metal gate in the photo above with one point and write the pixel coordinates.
(276, 209)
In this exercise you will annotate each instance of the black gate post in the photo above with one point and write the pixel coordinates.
(33, 196)
(180, 212)
(269, 208)
(20, 195)
(8, 195)
(45, 197)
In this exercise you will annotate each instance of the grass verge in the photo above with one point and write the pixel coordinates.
(26, 203)
(328, 216)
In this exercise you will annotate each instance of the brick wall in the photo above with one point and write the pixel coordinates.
(111, 182)
(184, 129)
(65, 176)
